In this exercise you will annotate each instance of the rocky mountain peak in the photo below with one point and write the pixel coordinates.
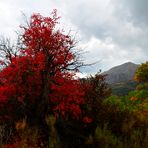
(121, 73)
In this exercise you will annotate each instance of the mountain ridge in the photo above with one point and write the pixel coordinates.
(121, 73)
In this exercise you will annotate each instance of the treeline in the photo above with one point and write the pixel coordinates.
(113, 122)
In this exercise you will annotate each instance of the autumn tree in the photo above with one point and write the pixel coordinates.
(41, 77)
(141, 76)
(77, 132)
(142, 73)
(96, 90)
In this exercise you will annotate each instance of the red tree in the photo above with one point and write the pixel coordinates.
(41, 77)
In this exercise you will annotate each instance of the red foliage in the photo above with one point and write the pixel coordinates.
(68, 96)
(87, 119)
(14, 145)
(41, 69)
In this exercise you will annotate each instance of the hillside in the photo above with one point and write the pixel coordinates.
(120, 78)
(121, 73)
(123, 88)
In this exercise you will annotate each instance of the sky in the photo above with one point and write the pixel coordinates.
(110, 32)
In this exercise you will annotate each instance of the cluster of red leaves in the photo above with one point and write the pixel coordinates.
(42, 37)
(20, 78)
(70, 98)
(46, 50)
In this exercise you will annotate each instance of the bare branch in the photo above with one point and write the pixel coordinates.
(7, 50)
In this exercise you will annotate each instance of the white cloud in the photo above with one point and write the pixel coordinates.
(111, 31)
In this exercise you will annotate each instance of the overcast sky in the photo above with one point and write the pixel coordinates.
(111, 31)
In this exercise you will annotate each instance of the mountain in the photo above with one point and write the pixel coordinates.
(121, 73)
(120, 78)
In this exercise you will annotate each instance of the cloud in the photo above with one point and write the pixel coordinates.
(99, 21)
(91, 17)
(107, 54)
(112, 31)
(136, 10)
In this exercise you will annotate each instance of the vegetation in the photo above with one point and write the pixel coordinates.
(42, 104)
(142, 73)
(123, 88)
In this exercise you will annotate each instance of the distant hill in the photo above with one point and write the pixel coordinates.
(121, 73)
(123, 88)
(120, 78)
